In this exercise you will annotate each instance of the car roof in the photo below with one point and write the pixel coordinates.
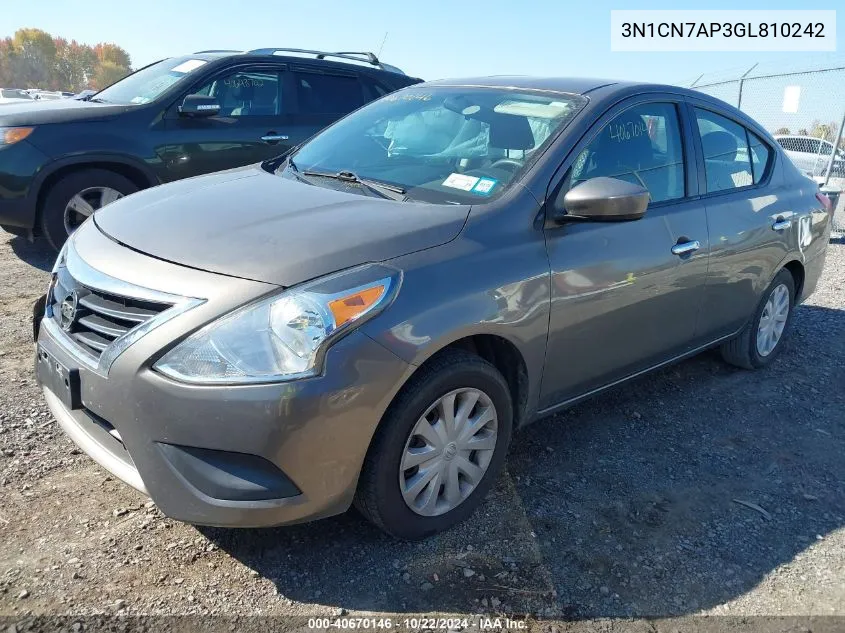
(601, 92)
(571, 85)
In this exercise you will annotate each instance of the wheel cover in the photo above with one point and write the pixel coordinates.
(84, 203)
(773, 320)
(448, 452)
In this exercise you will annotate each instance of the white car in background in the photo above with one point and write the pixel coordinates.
(49, 95)
(13, 95)
(811, 155)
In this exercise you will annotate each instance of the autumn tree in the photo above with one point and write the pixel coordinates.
(75, 64)
(826, 131)
(112, 54)
(107, 73)
(782, 130)
(36, 53)
(32, 58)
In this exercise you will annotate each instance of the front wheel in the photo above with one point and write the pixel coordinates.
(438, 449)
(75, 197)
(762, 339)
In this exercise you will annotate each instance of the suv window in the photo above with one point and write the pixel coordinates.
(375, 89)
(321, 93)
(727, 159)
(246, 93)
(641, 146)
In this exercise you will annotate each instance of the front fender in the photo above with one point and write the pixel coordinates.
(460, 290)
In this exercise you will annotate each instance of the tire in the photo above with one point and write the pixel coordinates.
(743, 350)
(379, 496)
(86, 182)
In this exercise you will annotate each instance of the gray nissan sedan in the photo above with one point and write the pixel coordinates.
(369, 318)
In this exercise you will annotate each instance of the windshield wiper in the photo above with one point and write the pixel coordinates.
(97, 100)
(385, 190)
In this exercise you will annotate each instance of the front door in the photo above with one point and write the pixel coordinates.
(626, 295)
(251, 125)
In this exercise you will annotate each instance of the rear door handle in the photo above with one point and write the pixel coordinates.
(274, 138)
(781, 224)
(686, 247)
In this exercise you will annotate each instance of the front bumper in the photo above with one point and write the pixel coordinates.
(236, 456)
(20, 166)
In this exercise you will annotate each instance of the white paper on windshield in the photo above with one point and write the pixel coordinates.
(461, 181)
(530, 108)
(188, 66)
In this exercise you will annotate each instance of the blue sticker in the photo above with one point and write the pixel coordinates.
(484, 186)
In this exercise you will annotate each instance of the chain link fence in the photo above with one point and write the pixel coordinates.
(803, 108)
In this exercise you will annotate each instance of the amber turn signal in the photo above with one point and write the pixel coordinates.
(12, 135)
(352, 306)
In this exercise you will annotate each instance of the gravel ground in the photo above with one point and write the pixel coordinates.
(626, 505)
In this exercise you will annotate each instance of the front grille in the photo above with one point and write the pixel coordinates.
(93, 319)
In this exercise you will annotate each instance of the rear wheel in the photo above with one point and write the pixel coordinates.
(761, 340)
(439, 448)
(75, 197)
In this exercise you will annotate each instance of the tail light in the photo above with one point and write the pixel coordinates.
(825, 202)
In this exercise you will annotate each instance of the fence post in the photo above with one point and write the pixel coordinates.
(741, 82)
(835, 149)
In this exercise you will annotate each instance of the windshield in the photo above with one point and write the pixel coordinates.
(150, 82)
(439, 144)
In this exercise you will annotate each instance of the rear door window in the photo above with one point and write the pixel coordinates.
(727, 158)
(374, 88)
(324, 93)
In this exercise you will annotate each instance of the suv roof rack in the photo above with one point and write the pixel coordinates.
(365, 57)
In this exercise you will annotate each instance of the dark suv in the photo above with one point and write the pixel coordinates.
(183, 116)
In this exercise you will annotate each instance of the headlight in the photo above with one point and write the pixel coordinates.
(285, 336)
(11, 135)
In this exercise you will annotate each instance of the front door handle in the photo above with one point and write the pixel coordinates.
(781, 224)
(272, 137)
(682, 248)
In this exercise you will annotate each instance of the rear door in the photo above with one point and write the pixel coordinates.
(322, 95)
(749, 212)
(252, 124)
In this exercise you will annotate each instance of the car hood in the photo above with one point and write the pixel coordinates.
(39, 112)
(256, 225)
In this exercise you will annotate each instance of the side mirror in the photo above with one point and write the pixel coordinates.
(199, 106)
(603, 199)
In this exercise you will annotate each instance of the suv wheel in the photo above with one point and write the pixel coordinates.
(761, 340)
(75, 197)
(439, 448)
